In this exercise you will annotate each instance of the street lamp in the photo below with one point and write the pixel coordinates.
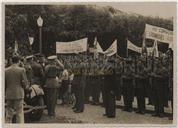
(31, 39)
(40, 24)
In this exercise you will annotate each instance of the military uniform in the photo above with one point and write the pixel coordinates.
(128, 87)
(80, 96)
(109, 89)
(103, 89)
(118, 71)
(51, 85)
(171, 83)
(88, 86)
(76, 82)
(141, 82)
(95, 86)
(160, 87)
(38, 73)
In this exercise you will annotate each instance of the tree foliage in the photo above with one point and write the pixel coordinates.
(71, 22)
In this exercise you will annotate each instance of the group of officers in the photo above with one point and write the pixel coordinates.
(141, 77)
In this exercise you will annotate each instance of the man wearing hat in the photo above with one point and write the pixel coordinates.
(128, 88)
(52, 83)
(15, 83)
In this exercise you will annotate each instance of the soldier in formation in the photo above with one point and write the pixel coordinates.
(128, 85)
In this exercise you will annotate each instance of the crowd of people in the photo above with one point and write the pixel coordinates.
(98, 81)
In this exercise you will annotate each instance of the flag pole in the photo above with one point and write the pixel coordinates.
(127, 48)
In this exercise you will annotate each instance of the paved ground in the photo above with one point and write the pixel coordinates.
(93, 114)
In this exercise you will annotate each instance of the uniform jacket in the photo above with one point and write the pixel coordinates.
(15, 82)
(51, 75)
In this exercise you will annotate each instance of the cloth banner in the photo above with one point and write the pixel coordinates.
(112, 49)
(77, 46)
(135, 48)
(159, 34)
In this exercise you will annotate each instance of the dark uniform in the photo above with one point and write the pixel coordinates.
(76, 82)
(87, 87)
(80, 96)
(160, 88)
(141, 83)
(38, 73)
(171, 83)
(102, 83)
(94, 82)
(128, 87)
(118, 71)
(109, 90)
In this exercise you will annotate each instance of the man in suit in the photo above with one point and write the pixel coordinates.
(15, 83)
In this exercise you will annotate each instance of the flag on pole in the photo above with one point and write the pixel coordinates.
(16, 47)
(144, 49)
(95, 48)
(155, 49)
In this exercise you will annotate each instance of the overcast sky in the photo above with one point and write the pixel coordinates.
(161, 9)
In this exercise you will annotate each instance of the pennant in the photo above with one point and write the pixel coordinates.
(112, 49)
(155, 49)
(16, 47)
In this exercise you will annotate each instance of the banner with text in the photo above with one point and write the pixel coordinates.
(159, 34)
(77, 46)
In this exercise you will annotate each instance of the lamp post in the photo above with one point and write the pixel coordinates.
(40, 24)
(31, 39)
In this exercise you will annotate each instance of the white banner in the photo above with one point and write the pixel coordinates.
(72, 47)
(112, 49)
(159, 34)
(135, 48)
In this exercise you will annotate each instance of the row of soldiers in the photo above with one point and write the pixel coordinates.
(143, 77)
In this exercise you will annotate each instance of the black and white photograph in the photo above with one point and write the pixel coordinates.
(102, 63)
